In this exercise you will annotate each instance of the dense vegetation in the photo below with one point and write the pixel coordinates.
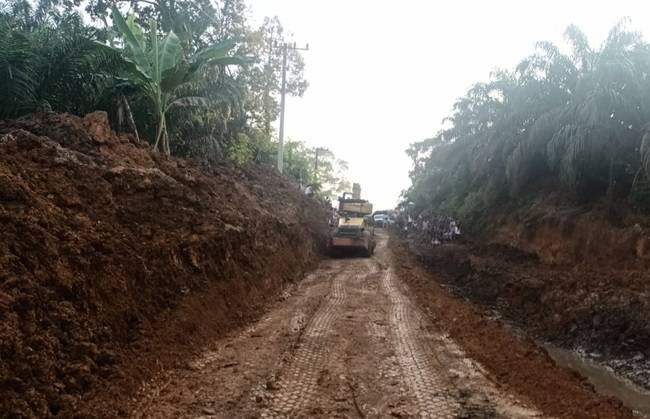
(193, 78)
(574, 122)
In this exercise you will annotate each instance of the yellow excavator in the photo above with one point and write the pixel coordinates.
(354, 232)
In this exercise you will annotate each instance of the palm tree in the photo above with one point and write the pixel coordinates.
(17, 71)
(580, 119)
(601, 119)
(53, 66)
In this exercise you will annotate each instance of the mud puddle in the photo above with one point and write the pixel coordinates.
(603, 379)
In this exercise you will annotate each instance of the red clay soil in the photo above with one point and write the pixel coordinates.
(599, 308)
(561, 234)
(513, 360)
(116, 260)
(574, 275)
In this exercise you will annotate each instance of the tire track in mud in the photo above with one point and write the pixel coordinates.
(434, 396)
(297, 387)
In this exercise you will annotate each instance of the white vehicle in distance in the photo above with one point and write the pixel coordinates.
(381, 220)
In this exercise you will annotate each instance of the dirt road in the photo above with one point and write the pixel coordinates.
(348, 341)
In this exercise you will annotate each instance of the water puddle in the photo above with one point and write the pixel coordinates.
(604, 380)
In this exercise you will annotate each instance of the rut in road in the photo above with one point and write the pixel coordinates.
(298, 386)
(434, 395)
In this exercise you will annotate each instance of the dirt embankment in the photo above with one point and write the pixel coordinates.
(115, 260)
(574, 237)
(511, 359)
(570, 277)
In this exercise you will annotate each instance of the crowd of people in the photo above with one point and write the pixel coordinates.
(432, 227)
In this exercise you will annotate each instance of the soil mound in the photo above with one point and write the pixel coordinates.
(103, 239)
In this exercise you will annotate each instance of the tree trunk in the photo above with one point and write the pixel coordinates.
(159, 134)
(129, 118)
(611, 183)
(166, 142)
(120, 116)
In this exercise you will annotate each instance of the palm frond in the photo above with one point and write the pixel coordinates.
(18, 79)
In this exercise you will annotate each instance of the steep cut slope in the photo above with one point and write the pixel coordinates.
(102, 240)
(570, 275)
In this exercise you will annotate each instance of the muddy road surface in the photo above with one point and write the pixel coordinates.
(348, 341)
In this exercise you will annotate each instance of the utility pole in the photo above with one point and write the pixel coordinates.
(317, 154)
(316, 161)
(285, 48)
(282, 95)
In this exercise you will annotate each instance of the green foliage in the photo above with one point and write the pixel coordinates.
(160, 67)
(171, 72)
(51, 59)
(18, 83)
(318, 167)
(52, 64)
(576, 121)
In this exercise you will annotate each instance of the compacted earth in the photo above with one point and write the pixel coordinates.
(372, 337)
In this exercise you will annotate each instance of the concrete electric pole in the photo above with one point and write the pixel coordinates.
(316, 153)
(285, 48)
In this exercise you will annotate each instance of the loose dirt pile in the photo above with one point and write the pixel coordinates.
(115, 259)
(569, 277)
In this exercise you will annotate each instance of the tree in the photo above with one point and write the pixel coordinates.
(50, 64)
(49, 54)
(316, 166)
(330, 173)
(577, 120)
(159, 68)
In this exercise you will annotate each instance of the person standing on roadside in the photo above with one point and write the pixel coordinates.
(309, 190)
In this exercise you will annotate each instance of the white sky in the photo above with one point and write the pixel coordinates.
(384, 74)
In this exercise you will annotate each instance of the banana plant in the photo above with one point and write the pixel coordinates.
(159, 67)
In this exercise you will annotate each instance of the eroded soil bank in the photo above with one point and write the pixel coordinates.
(569, 277)
(116, 262)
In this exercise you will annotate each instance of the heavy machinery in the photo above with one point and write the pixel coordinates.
(355, 231)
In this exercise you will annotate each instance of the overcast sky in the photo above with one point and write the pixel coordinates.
(383, 74)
